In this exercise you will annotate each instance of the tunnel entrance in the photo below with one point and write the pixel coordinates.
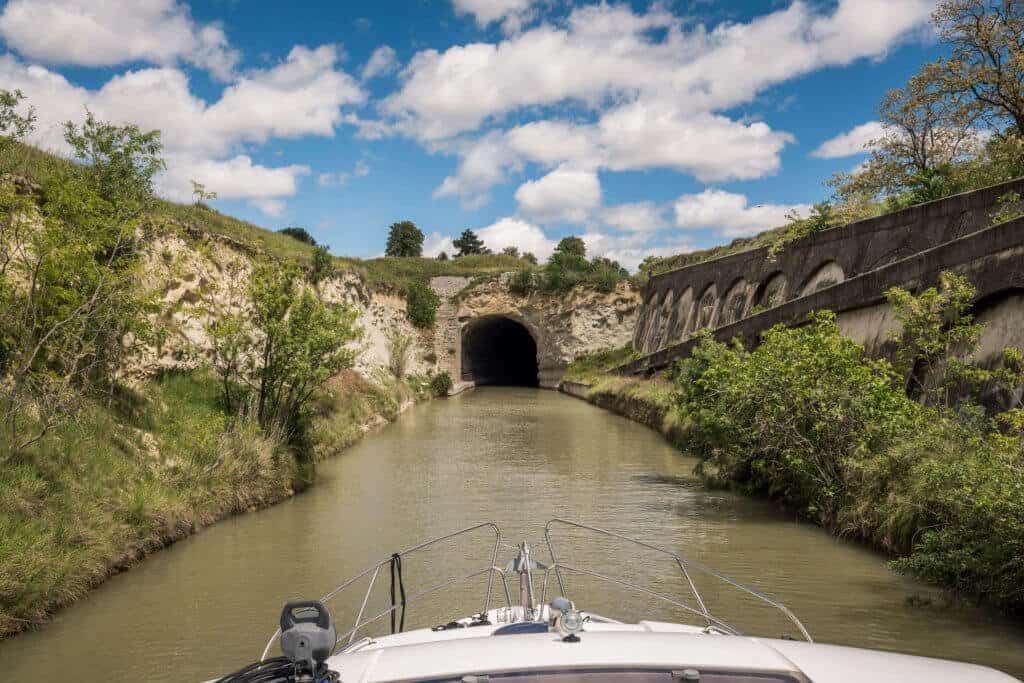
(499, 350)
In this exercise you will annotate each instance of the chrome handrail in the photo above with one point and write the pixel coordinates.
(682, 564)
(375, 569)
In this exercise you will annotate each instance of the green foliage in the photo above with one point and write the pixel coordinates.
(469, 244)
(529, 258)
(521, 282)
(935, 326)
(273, 361)
(70, 308)
(421, 305)
(511, 251)
(443, 256)
(14, 125)
(1009, 207)
(404, 240)
(784, 419)
(200, 195)
(399, 345)
(568, 267)
(323, 263)
(120, 162)
(590, 367)
(441, 384)
(300, 234)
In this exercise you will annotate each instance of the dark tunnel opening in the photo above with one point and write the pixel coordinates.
(499, 351)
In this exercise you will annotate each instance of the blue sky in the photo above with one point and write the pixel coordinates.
(645, 127)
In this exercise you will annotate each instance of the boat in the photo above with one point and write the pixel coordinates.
(525, 637)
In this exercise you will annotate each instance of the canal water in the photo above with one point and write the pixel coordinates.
(515, 456)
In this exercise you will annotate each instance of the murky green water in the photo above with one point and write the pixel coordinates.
(517, 457)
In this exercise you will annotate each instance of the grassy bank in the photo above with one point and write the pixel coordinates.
(135, 473)
(808, 420)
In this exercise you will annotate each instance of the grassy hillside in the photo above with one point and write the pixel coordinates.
(380, 274)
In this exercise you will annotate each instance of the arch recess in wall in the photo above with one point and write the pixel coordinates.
(734, 303)
(827, 274)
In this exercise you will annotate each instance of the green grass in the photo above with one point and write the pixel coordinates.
(380, 274)
(592, 367)
(130, 476)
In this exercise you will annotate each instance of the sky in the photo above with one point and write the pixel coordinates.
(645, 127)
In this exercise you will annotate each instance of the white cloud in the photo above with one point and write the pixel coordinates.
(635, 217)
(435, 243)
(90, 33)
(853, 141)
(514, 232)
(340, 179)
(383, 61)
(604, 52)
(302, 95)
(271, 207)
(565, 195)
(630, 250)
(234, 178)
(730, 214)
(512, 13)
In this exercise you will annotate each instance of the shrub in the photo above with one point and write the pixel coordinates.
(300, 234)
(421, 304)
(521, 282)
(322, 263)
(441, 384)
(784, 419)
(398, 344)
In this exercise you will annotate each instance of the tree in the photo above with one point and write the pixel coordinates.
(511, 251)
(283, 351)
(443, 256)
(14, 126)
(201, 194)
(300, 234)
(468, 244)
(987, 59)
(571, 247)
(529, 257)
(70, 306)
(120, 163)
(926, 129)
(405, 239)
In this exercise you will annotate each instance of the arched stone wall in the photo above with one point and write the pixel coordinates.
(773, 291)
(706, 309)
(678, 326)
(734, 303)
(827, 274)
(664, 320)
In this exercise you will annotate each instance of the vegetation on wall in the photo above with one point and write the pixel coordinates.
(808, 419)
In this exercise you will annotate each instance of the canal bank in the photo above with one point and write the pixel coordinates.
(516, 456)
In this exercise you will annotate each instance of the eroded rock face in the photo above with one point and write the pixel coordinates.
(200, 277)
(563, 326)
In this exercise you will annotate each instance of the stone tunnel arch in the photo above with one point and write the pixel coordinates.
(706, 308)
(734, 303)
(498, 349)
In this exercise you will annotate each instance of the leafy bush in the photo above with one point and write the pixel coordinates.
(521, 282)
(783, 419)
(398, 344)
(568, 267)
(300, 234)
(421, 305)
(322, 264)
(441, 384)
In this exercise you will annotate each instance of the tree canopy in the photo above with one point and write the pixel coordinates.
(469, 243)
(404, 239)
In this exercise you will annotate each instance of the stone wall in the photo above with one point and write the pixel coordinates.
(563, 326)
(992, 258)
(718, 293)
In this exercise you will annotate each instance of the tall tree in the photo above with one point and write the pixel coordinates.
(469, 243)
(987, 59)
(405, 239)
